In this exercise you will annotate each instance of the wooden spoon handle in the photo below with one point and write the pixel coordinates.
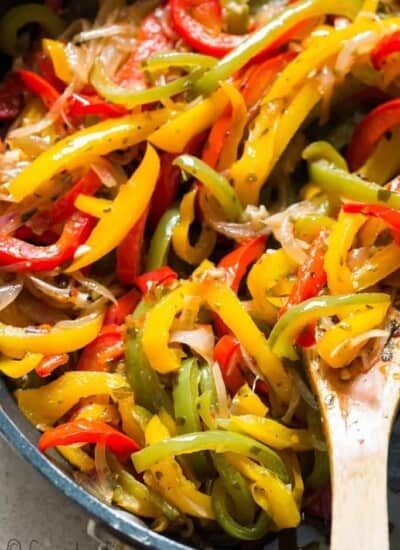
(360, 509)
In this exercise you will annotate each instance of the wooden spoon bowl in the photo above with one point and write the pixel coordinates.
(358, 417)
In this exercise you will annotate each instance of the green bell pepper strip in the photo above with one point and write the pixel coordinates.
(269, 34)
(16, 18)
(161, 240)
(208, 398)
(139, 490)
(215, 184)
(350, 186)
(236, 487)
(219, 498)
(284, 334)
(185, 397)
(167, 60)
(319, 475)
(132, 98)
(218, 441)
(322, 150)
(144, 381)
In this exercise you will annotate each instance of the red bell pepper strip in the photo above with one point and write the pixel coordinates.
(46, 69)
(80, 106)
(239, 260)
(209, 13)
(387, 46)
(151, 39)
(107, 347)
(370, 130)
(39, 86)
(388, 215)
(50, 363)
(258, 76)
(11, 98)
(216, 139)
(125, 305)
(64, 206)
(17, 255)
(83, 430)
(25, 233)
(161, 276)
(311, 279)
(228, 356)
(129, 253)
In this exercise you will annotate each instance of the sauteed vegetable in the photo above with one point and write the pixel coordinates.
(196, 197)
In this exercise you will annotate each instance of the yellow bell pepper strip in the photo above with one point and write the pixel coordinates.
(217, 441)
(340, 240)
(335, 347)
(269, 431)
(18, 17)
(237, 125)
(130, 98)
(47, 404)
(384, 163)
(309, 227)
(94, 206)
(385, 261)
(342, 184)
(63, 337)
(214, 183)
(192, 254)
(262, 151)
(246, 401)
(55, 50)
(273, 267)
(77, 150)
(157, 326)
(220, 502)
(223, 301)
(266, 37)
(128, 206)
(283, 336)
(293, 465)
(129, 420)
(77, 457)
(175, 134)
(167, 478)
(15, 368)
(270, 492)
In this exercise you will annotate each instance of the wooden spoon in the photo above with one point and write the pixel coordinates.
(358, 417)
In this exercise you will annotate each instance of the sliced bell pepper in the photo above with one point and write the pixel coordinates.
(93, 206)
(269, 431)
(47, 404)
(50, 363)
(239, 261)
(129, 205)
(81, 106)
(246, 401)
(89, 431)
(157, 326)
(17, 17)
(283, 336)
(15, 368)
(271, 35)
(17, 255)
(228, 356)
(117, 313)
(161, 240)
(214, 183)
(175, 134)
(387, 46)
(76, 150)
(218, 441)
(223, 301)
(63, 337)
(389, 215)
(39, 86)
(192, 254)
(107, 347)
(335, 345)
(161, 276)
(55, 50)
(130, 252)
(370, 130)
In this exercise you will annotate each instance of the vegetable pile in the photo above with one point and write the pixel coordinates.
(196, 198)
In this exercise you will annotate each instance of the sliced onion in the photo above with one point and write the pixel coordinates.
(109, 174)
(361, 44)
(95, 287)
(9, 293)
(360, 339)
(102, 32)
(304, 390)
(200, 340)
(220, 388)
(61, 295)
(104, 474)
(41, 313)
